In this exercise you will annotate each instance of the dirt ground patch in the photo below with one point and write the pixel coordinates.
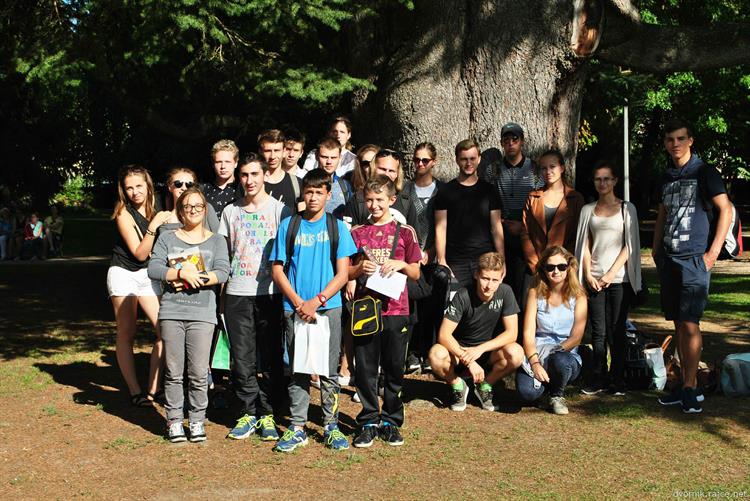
(67, 430)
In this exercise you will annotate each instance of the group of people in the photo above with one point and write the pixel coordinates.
(500, 270)
(26, 236)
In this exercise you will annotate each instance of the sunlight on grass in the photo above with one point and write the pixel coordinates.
(16, 378)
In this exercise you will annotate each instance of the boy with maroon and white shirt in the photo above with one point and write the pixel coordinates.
(386, 349)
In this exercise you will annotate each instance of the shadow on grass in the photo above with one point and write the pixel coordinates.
(95, 384)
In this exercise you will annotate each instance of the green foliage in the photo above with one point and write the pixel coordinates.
(75, 193)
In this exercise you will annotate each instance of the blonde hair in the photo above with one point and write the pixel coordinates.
(571, 287)
(491, 261)
(171, 174)
(360, 175)
(122, 197)
(225, 145)
(399, 181)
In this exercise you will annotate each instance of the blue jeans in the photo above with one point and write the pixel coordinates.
(562, 367)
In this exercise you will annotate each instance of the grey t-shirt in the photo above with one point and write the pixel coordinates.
(251, 236)
(189, 304)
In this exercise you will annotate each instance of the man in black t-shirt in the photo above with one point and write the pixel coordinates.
(281, 185)
(478, 335)
(467, 217)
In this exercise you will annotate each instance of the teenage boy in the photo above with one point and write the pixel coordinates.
(478, 335)
(252, 306)
(311, 287)
(225, 189)
(467, 217)
(329, 156)
(279, 184)
(684, 252)
(396, 249)
(294, 146)
(514, 177)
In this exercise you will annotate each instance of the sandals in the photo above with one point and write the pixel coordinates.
(140, 400)
(157, 397)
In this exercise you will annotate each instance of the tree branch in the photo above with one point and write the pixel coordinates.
(627, 41)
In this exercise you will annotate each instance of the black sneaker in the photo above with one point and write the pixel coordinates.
(616, 389)
(673, 398)
(391, 435)
(413, 364)
(365, 436)
(426, 365)
(592, 388)
(690, 403)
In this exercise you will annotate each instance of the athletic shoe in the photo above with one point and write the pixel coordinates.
(355, 398)
(390, 434)
(345, 380)
(426, 366)
(291, 440)
(412, 364)
(673, 398)
(267, 427)
(334, 439)
(458, 397)
(197, 432)
(365, 436)
(176, 433)
(558, 405)
(485, 397)
(592, 389)
(690, 403)
(617, 389)
(244, 428)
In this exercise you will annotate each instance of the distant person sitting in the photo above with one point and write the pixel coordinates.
(53, 231)
(33, 238)
(478, 336)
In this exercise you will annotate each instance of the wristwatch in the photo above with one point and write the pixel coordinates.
(322, 300)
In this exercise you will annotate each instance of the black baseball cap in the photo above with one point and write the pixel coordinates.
(511, 128)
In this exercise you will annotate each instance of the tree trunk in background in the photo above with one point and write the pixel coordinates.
(463, 69)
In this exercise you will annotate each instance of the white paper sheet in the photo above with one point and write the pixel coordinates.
(391, 286)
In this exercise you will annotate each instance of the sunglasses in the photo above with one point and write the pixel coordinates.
(196, 207)
(423, 161)
(549, 268)
(386, 152)
(178, 184)
(364, 163)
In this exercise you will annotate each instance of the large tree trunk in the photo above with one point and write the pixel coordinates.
(466, 68)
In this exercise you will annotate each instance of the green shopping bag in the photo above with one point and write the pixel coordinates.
(220, 359)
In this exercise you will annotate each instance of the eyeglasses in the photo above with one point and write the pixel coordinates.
(386, 152)
(603, 180)
(423, 161)
(549, 268)
(196, 207)
(178, 184)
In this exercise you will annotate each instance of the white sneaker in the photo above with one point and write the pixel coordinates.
(558, 406)
(355, 398)
(176, 433)
(345, 380)
(197, 432)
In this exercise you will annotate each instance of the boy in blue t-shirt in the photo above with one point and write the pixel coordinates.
(311, 286)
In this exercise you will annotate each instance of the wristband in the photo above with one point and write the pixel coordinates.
(178, 273)
(535, 354)
(149, 232)
(322, 300)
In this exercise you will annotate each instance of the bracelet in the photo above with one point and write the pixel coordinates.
(149, 232)
(178, 273)
(535, 354)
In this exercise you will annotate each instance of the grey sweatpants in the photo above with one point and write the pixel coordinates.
(299, 385)
(191, 338)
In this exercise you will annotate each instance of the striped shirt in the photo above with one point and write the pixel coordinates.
(513, 183)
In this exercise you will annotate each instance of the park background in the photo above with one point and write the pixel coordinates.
(86, 87)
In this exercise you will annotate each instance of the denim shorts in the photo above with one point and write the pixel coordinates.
(684, 287)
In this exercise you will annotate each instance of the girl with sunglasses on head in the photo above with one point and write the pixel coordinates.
(554, 320)
(608, 247)
(550, 216)
(128, 283)
(179, 180)
(192, 260)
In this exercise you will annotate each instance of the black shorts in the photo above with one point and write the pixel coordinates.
(483, 361)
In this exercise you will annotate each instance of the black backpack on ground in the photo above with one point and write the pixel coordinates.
(637, 374)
